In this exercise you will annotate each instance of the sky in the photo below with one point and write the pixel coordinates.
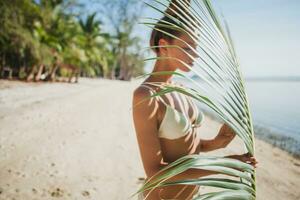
(265, 33)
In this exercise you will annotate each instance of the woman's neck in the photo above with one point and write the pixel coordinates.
(160, 66)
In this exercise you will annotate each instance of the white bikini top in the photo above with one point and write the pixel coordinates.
(175, 124)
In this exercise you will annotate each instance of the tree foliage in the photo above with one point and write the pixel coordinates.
(38, 39)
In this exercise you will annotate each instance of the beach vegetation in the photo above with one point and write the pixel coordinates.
(50, 40)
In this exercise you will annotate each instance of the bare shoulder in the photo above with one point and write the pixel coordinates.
(143, 94)
(144, 105)
(141, 91)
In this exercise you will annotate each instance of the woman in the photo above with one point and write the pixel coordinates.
(166, 126)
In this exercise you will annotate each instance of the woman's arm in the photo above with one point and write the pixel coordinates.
(224, 137)
(145, 121)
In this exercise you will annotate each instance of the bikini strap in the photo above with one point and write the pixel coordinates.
(146, 84)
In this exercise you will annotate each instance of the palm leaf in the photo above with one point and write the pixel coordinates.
(223, 91)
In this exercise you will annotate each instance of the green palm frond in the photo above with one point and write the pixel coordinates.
(223, 91)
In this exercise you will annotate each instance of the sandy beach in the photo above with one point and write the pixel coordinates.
(77, 141)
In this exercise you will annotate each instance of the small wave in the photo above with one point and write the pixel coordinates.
(284, 142)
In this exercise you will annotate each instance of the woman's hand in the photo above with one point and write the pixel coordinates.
(246, 158)
(224, 137)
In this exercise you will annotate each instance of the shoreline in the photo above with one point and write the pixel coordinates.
(77, 141)
(284, 143)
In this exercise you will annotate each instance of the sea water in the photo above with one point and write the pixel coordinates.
(275, 110)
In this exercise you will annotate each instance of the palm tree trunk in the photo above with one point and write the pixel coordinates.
(53, 72)
(2, 64)
(39, 74)
(77, 75)
(113, 70)
(123, 65)
(71, 75)
(31, 74)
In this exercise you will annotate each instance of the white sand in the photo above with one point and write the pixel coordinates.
(77, 141)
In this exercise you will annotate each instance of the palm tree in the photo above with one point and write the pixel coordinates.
(48, 32)
(122, 16)
(17, 45)
(47, 45)
(223, 92)
(95, 44)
